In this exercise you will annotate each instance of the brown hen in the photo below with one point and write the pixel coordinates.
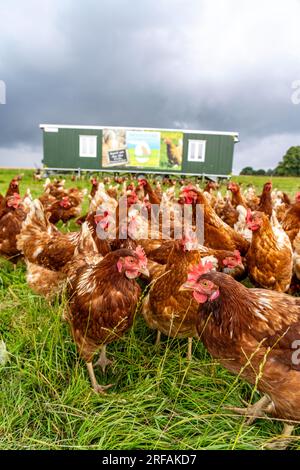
(254, 333)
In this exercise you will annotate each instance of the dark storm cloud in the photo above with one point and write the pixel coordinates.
(174, 63)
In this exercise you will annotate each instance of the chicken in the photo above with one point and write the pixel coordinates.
(95, 185)
(225, 261)
(64, 209)
(12, 216)
(253, 333)
(241, 225)
(210, 186)
(60, 203)
(295, 283)
(291, 219)
(148, 191)
(296, 255)
(13, 187)
(252, 200)
(102, 301)
(265, 204)
(237, 199)
(56, 188)
(229, 214)
(37, 175)
(165, 309)
(47, 199)
(217, 234)
(209, 194)
(269, 258)
(42, 243)
(101, 197)
(43, 281)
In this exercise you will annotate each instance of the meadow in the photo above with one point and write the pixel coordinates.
(159, 400)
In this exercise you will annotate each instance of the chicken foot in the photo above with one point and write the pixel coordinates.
(281, 442)
(103, 361)
(97, 387)
(257, 410)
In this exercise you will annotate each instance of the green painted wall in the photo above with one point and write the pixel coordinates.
(218, 154)
(61, 150)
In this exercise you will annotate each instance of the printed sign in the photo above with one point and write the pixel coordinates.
(142, 148)
(117, 157)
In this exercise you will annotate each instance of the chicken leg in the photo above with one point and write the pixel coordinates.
(103, 361)
(189, 351)
(158, 336)
(253, 411)
(97, 387)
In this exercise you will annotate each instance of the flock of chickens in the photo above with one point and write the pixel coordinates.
(185, 289)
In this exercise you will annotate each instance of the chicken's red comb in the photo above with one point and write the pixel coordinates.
(297, 196)
(188, 188)
(99, 217)
(197, 271)
(139, 251)
(237, 255)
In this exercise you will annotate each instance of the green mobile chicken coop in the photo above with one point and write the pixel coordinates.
(138, 150)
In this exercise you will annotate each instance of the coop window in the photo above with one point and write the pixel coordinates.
(88, 146)
(196, 150)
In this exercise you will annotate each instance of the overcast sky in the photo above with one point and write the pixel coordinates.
(201, 64)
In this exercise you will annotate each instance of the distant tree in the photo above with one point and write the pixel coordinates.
(260, 172)
(270, 172)
(248, 170)
(290, 164)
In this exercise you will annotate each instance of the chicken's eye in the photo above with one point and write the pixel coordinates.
(205, 283)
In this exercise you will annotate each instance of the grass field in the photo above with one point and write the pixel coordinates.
(159, 401)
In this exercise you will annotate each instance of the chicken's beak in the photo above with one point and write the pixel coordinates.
(186, 286)
(144, 271)
(215, 294)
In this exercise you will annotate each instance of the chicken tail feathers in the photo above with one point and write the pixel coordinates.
(86, 242)
(35, 229)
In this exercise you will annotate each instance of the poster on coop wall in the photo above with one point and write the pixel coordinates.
(142, 148)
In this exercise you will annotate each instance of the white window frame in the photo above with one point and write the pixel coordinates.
(197, 143)
(86, 150)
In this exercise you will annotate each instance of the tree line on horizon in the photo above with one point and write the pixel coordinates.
(288, 166)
